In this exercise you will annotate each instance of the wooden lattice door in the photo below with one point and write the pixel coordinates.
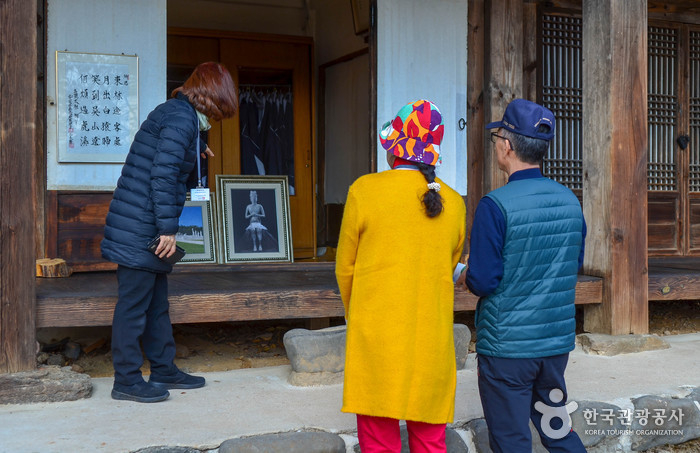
(693, 145)
(673, 165)
(674, 135)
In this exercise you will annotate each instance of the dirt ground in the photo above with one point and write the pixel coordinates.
(236, 345)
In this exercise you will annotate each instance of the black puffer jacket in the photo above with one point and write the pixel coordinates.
(151, 191)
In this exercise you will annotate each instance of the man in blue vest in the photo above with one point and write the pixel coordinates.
(526, 248)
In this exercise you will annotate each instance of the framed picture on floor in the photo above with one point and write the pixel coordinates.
(197, 233)
(254, 219)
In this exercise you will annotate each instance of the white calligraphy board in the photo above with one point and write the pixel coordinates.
(97, 106)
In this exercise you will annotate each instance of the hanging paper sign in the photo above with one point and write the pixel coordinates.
(97, 106)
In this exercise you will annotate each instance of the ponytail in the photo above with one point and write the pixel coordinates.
(431, 199)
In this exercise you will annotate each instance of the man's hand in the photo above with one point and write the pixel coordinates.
(166, 246)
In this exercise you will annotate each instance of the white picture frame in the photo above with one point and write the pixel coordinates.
(197, 233)
(254, 230)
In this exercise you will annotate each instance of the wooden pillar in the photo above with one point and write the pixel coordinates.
(476, 144)
(530, 51)
(503, 72)
(614, 168)
(18, 73)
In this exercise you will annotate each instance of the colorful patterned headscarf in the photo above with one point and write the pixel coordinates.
(415, 134)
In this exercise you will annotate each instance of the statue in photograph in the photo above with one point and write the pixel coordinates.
(255, 212)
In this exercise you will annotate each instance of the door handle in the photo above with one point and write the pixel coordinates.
(683, 141)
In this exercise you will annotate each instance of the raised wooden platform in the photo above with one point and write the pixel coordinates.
(674, 278)
(225, 293)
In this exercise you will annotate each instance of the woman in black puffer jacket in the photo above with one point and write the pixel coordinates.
(147, 203)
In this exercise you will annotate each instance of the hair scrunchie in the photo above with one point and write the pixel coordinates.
(434, 186)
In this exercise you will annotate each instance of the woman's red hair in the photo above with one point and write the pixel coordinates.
(211, 90)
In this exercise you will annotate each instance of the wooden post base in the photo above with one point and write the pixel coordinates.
(52, 267)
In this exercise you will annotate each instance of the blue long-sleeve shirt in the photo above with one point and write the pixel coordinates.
(487, 241)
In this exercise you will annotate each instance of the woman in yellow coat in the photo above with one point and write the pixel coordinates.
(402, 235)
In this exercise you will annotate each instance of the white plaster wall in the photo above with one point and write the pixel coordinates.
(347, 123)
(422, 54)
(110, 27)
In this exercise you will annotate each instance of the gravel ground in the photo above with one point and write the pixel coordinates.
(235, 345)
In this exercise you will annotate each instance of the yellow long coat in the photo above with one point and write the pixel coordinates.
(394, 268)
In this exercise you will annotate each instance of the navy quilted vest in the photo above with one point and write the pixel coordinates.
(531, 313)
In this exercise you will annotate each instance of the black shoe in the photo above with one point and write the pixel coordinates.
(179, 380)
(141, 392)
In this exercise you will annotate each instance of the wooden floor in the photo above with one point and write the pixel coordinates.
(674, 278)
(283, 291)
(224, 293)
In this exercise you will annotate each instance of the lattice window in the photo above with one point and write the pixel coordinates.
(694, 109)
(562, 93)
(662, 108)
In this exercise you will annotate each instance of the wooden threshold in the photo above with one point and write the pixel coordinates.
(203, 293)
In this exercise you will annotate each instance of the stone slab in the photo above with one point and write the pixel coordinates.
(453, 441)
(296, 442)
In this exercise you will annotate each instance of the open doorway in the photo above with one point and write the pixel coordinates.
(308, 57)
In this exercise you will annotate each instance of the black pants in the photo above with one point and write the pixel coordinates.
(515, 391)
(141, 316)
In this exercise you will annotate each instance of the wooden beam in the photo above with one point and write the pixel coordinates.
(503, 72)
(614, 172)
(18, 72)
(687, 11)
(226, 293)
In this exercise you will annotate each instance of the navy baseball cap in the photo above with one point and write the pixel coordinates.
(527, 118)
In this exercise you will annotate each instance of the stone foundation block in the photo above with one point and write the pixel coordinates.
(317, 357)
(44, 385)
(610, 345)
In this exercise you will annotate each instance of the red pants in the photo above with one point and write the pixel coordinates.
(383, 435)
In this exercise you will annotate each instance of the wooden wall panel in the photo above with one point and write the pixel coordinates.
(694, 233)
(78, 221)
(663, 229)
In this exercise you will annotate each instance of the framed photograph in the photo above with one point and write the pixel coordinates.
(97, 98)
(197, 232)
(254, 219)
(360, 15)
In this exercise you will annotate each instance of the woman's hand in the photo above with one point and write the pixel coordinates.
(207, 152)
(166, 246)
(462, 280)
